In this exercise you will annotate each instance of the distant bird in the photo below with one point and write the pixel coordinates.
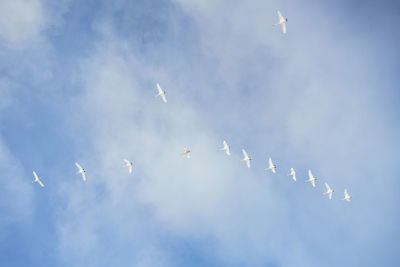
(161, 93)
(329, 191)
(129, 165)
(346, 196)
(293, 174)
(81, 171)
(226, 148)
(271, 166)
(282, 21)
(246, 158)
(312, 178)
(186, 152)
(37, 179)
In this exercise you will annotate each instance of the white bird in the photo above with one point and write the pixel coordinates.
(226, 148)
(161, 93)
(129, 165)
(81, 171)
(312, 178)
(346, 196)
(37, 179)
(186, 152)
(271, 166)
(293, 174)
(246, 158)
(282, 21)
(329, 191)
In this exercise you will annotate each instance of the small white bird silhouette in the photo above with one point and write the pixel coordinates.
(226, 148)
(129, 165)
(293, 174)
(271, 166)
(346, 196)
(329, 191)
(81, 171)
(37, 179)
(161, 93)
(186, 152)
(246, 158)
(312, 178)
(282, 21)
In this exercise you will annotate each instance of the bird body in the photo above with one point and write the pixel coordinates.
(186, 152)
(271, 166)
(329, 191)
(282, 22)
(311, 179)
(129, 165)
(346, 196)
(293, 174)
(226, 148)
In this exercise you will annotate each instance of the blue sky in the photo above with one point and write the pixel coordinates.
(77, 83)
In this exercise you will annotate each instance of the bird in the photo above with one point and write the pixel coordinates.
(293, 174)
(81, 171)
(186, 152)
(346, 196)
(329, 191)
(129, 165)
(161, 93)
(37, 179)
(271, 166)
(226, 148)
(246, 158)
(282, 21)
(312, 178)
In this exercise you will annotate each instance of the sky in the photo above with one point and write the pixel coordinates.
(78, 84)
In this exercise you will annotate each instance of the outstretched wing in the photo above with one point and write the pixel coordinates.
(130, 168)
(248, 163)
(159, 89)
(78, 166)
(270, 163)
(345, 193)
(245, 154)
(330, 195)
(327, 187)
(280, 16)
(127, 161)
(313, 183)
(40, 182)
(310, 174)
(36, 177)
(83, 176)
(164, 98)
(284, 27)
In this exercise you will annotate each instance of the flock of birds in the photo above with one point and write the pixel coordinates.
(226, 147)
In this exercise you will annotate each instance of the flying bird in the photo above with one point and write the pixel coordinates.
(346, 196)
(226, 148)
(312, 178)
(37, 179)
(161, 93)
(129, 165)
(329, 191)
(186, 152)
(271, 166)
(282, 21)
(246, 158)
(293, 174)
(81, 171)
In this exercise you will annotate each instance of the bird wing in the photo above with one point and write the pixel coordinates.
(330, 195)
(36, 177)
(83, 176)
(127, 161)
(345, 193)
(130, 168)
(284, 27)
(228, 151)
(313, 183)
(78, 166)
(160, 91)
(248, 163)
(40, 182)
(294, 177)
(164, 98)
(327, 187)
(273, 170)
(245, 153)
(310, 174)
(270, 163)
(280, 16)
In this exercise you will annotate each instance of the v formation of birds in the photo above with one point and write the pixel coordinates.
(271, 166)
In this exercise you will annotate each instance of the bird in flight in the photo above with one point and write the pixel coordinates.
(293, 174)
(246, 158)
(271, 166)
(346, 196)
(37, 179)
(81, 171)
(329, 191)
(312, 178)
(226, 148)
(161, 93)
(282, 21)
(129, 165)
(186, 152)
